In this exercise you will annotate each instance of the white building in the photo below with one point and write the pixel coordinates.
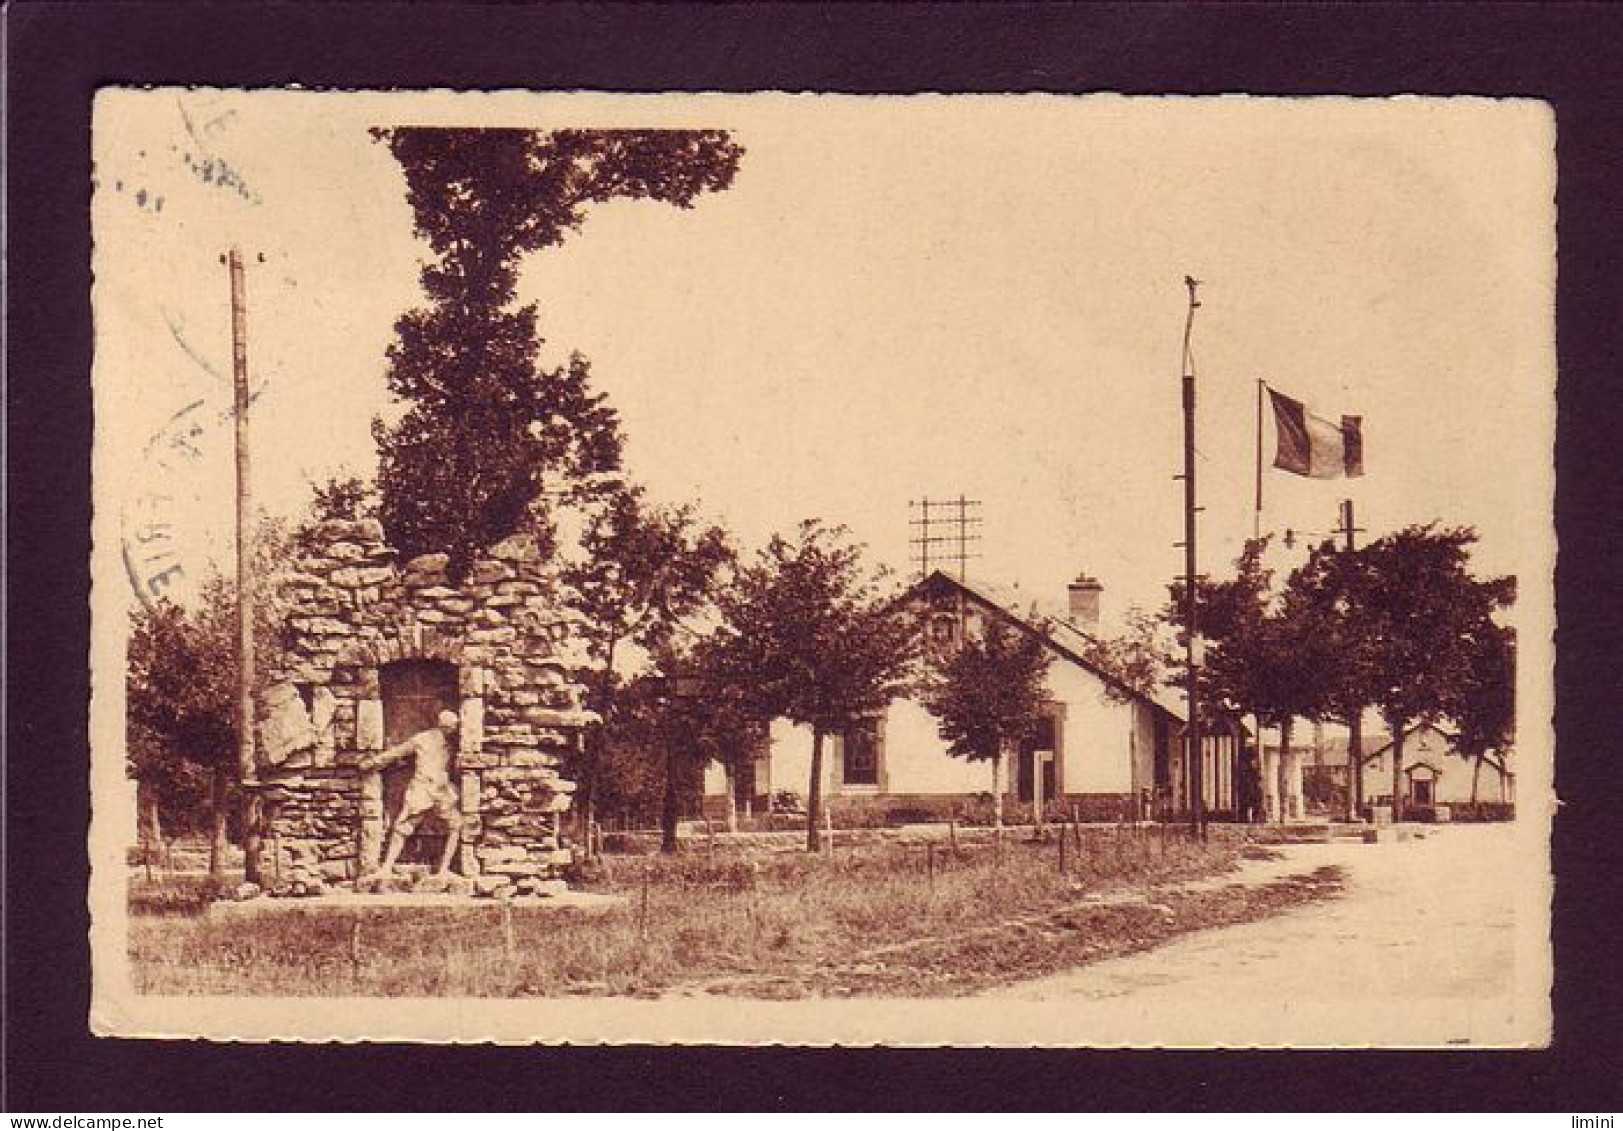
(1435, 773)
(1101, 749)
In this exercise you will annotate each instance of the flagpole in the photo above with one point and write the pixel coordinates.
(1197, 775)
(1256, 514)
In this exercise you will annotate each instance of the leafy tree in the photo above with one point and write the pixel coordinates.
(182, 684)
(1323, 598)
(808, 635)
(181, 705)
(987, 695)
(1261, 657)
(342, 498)
(1138, 658)
(1425, 618)
(1483, 706)
(646, 569)
(484, 429)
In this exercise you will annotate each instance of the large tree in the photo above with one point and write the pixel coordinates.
(645, 570)
(1483, 706)
(485, 431)
(1260, 659)
(181, 680)
(810, 634)
(987, 696)
(1323, 599)
(1425, 618)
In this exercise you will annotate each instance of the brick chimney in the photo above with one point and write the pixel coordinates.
(1084, 602)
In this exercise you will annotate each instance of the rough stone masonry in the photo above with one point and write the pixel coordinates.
(374, 643)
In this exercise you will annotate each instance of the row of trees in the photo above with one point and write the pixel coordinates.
(488, 442)
(1399, 627)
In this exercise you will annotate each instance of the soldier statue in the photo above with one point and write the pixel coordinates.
(429, 791)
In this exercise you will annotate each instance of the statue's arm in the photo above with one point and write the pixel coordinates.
(387, 757)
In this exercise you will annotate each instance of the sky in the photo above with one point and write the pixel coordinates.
(897, 298)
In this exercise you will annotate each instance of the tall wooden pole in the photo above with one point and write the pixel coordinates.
(1256, 513)
(246, 768)
(1197, 791)
(1355, 720)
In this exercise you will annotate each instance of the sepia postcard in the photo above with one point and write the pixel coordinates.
(979, 570)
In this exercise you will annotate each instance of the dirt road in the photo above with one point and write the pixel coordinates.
(1422, 947)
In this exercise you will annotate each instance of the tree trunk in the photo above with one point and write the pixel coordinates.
(221, 783)
(1355, 764)
(1476, 777)
(997, 788)
(672, 810)
(1287, 757)
(1397, 773)
(814, 794)
(1268, 779)
(586, 797)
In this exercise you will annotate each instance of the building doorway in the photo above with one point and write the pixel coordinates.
(1036, 763)
(1420, 791)
(414, 693)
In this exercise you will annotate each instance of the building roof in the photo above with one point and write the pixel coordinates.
(1386, 740)
(1064, 638)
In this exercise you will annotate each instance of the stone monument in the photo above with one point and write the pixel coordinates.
(351, 792)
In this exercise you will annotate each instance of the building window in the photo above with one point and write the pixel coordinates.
(859, 764)
(943, 630)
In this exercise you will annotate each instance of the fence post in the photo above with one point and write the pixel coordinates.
(642, 911)
(929, 856)
(355, 945)
(952, 834)
(1062, 839)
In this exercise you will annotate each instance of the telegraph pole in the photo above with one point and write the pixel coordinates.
(1355, 718)
(963, 520)
(246, 768)
(1197, 775)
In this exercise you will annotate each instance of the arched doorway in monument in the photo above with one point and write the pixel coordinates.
(414, 692)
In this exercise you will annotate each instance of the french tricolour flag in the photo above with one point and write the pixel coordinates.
(1315, 447)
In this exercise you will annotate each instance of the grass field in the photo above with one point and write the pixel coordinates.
(884, 917)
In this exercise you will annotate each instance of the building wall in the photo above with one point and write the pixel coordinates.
(1106, 747)
(1429, 746)
(1100, 736)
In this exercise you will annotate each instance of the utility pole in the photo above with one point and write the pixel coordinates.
(1197, 775)
(962, 519)
(1355, 719)
(246, 768)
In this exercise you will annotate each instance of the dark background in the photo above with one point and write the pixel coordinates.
(59, 53)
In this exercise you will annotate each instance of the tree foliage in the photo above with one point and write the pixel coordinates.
(987, 695)
(1260, 656)
(181, 679)
(1483, 704)
(1325, 598)
(646, 570)
(1425, 617)
(1425, 620)
(810, 634)
(1138, 659)
(484, 430)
